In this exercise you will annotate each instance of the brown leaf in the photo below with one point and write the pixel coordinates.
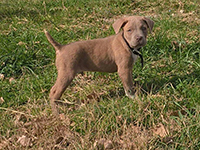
(62, 26)
(62, 116)
(176, 113)
(12, 80)
(24, 141)
(21, 43)
(1, 76)
(108, 144)
(60, 139)
(160, 130)
(100, 143)
(168, 140)
(65, 119)
(20, 119)
(37, 42)
(3, 144)
(92, 96)
(1, 100)
(103, 144)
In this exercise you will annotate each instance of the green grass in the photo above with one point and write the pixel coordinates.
(165, 112)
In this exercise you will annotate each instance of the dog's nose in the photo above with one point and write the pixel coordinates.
(139, 38)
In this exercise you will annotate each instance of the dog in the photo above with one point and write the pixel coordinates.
(116, 53)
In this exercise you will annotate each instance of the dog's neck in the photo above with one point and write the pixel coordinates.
(134, 51)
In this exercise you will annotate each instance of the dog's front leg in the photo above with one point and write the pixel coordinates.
(127, 80)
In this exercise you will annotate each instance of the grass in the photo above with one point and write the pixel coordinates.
(165, 112)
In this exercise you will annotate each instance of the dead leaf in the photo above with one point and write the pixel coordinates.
(135, 129)
(92, 96)
(1, 76)
(1, 100)
(103, 144)
(62, 26)
(12, 80)
(60, 139)
(3, 144)
(167, 140)
(20, 119)
(37, 42)
(160, 130)
(62, 116)
(65, 119)
(24, 141)
(177, 113)
(21, 43)
(100, 143)
(108, 144)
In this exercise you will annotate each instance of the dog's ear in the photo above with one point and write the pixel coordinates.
(117, 25)
(149, 23)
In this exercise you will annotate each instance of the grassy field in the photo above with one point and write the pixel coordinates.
(166, 111)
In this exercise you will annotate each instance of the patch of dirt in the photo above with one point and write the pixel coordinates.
(48, 132)
(135, 138)
(45, 132)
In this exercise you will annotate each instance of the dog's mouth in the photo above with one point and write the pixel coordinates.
(138, 45)
(135, 45)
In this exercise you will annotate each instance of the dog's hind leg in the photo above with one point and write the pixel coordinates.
(62, 82)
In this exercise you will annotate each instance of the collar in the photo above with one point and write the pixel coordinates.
(134, 51)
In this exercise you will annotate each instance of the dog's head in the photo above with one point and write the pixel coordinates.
(135, 29)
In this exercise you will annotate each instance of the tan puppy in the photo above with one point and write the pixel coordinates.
(110, 54)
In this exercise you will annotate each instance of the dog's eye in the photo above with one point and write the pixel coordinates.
(129, 30)
(144, 28)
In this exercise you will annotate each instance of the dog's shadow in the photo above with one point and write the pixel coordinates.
(152, 87)
(155, 85)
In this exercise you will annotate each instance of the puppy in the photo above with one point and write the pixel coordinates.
(116, 53)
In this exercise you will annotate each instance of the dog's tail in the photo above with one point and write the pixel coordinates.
(55, 44)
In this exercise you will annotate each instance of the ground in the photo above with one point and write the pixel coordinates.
(95, 113)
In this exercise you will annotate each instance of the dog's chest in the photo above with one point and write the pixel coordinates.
(134, 57)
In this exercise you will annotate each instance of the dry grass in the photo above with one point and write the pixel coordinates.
(47, 132)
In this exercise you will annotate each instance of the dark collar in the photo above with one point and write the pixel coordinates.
(136, 52)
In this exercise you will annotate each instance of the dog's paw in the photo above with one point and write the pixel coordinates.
(130, 94)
